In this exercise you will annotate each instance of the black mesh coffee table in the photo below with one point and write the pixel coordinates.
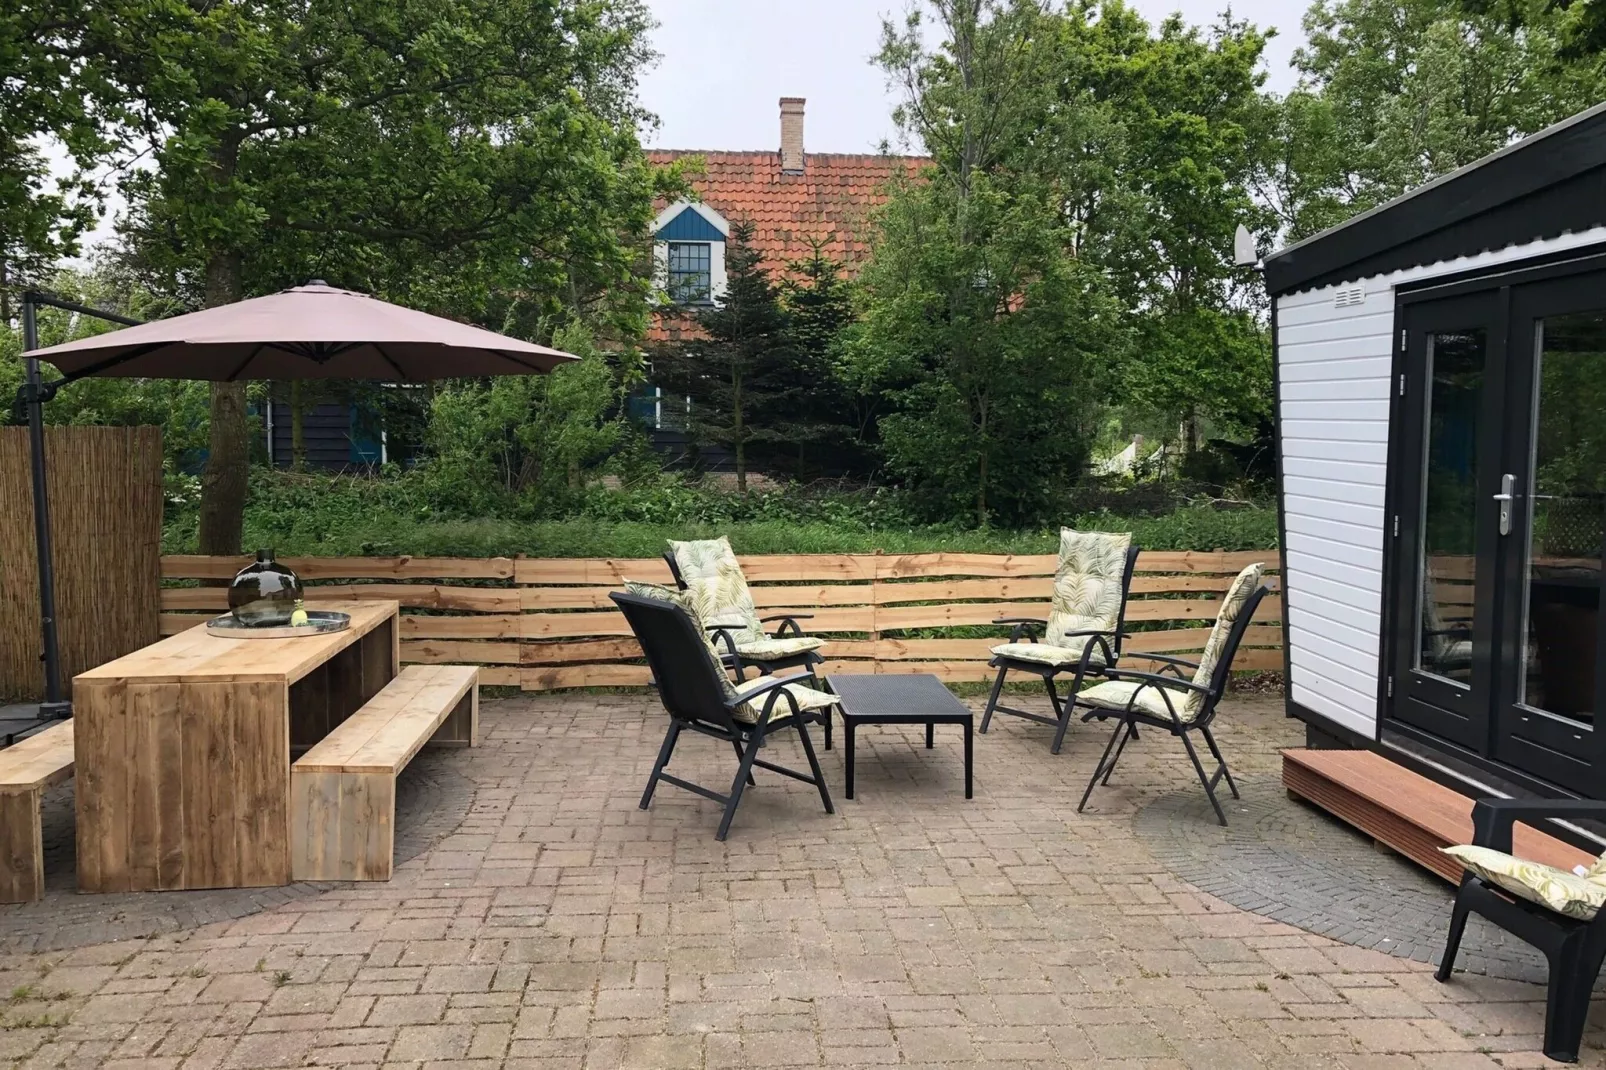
(916, 699)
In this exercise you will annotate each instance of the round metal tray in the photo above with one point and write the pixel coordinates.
(319, 622)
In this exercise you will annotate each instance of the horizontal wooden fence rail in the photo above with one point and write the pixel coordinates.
(546, 623)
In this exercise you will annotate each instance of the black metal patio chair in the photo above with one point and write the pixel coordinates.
(1558, 912)
(1083, 632)
(699, 697)
(1168, 701)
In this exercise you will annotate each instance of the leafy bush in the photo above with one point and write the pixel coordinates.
(403, 513)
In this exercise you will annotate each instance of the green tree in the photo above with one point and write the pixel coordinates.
(738, 373)
(831, 428)
(981, 322)
(432, 153)
(1396, 92)
(46, 93)
(534, 435)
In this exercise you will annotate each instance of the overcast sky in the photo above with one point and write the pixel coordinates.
(726, 63)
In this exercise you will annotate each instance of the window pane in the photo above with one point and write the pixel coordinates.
(1449, 504)
(690, 276)
(1567, 510)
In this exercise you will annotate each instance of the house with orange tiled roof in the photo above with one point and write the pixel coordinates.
(793, 198)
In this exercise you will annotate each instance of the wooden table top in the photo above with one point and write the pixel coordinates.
(194, 655)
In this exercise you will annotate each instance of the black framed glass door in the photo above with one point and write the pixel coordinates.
(1444, 604)
(1550, 643)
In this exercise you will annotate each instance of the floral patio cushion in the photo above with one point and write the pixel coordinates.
(1115, 694)
(717, 587)
(1087, 584)
(791, 646)
(682, 599)
(807, 699)
(1238, 595)
(1188, 703)
(1051, 654)
(1566, 893)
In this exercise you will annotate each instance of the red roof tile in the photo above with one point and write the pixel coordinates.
(832, 200)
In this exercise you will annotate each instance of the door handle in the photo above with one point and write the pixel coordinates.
(1508, 484)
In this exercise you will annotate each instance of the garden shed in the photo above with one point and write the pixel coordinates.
(1440, 369)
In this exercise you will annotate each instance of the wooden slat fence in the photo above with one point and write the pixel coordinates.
(547, 623)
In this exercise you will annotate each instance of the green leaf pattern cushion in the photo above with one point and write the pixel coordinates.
(1087, 583)
(1059, 657)
(717, 587)
(682, 599)
(1188, 703)
(1566, 893)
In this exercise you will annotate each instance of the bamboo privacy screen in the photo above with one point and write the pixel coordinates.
(547, 623)
(106, 524)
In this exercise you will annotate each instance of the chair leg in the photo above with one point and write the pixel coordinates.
(744, 776)
(814, 766)
(663, 759)
(750, 781)
(992, 699)
(1061, 713)
(1567, 1002)
(1193, 756)
(1452, 943)
(1131, 733)
(1215, 752)
(1098, 770)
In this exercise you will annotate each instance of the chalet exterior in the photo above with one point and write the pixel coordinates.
(1441, 399)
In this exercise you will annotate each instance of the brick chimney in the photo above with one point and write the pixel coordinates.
(792, 135)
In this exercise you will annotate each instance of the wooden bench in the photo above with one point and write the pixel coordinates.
(41, 761)
(343, 790)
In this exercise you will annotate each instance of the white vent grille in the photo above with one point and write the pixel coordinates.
(1348, 298)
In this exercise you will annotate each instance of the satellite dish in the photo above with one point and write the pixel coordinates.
(1244, 251)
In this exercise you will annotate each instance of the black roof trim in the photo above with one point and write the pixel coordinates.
(1458, 214)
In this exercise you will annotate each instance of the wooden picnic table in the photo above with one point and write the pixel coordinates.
(184, 749)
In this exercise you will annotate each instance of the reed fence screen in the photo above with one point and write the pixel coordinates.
(105, 496)
(546, 623)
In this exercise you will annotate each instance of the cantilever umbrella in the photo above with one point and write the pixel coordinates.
(316, 331)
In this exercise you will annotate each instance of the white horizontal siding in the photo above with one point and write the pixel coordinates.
(1335, 367)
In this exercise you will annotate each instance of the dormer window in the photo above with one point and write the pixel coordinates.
(690, 272)
(689, 253)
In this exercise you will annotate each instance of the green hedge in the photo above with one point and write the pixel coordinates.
(323, 516)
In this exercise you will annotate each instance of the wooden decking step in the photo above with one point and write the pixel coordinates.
(1404, 810)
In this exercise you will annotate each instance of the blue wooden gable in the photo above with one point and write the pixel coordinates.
(689, 225)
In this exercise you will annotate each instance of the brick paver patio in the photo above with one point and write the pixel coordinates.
(560, 927)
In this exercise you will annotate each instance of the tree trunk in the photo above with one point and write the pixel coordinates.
(298, 437)
(223, 484)
(981, 478)
(228, 461)
(740, 432)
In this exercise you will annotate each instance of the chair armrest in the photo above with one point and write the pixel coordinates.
(730, 658)
(1023, 626)
(1075, 635)
(787, 619)
(773, 688)
(1167, 658)
(1492, 819)
(1156, 679)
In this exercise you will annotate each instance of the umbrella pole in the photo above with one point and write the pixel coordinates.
(54, 705)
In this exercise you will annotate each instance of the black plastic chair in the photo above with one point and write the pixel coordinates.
(698, 698)
(1107, 645)
(1172, 690)
(1573, 947)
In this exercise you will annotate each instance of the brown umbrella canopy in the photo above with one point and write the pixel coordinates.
(310, 332)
